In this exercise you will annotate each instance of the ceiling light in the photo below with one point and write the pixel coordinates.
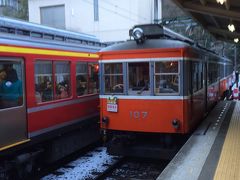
(236, 40)
(221, 1)
(231, 27)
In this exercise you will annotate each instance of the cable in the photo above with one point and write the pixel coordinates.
(114, 12)
(125, 10)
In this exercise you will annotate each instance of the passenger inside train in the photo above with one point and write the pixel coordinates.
(11, 92)
(138, 78)
(113, 78)
(81, 85)
(166, 77)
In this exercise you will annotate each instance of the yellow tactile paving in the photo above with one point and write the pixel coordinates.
(229, 162)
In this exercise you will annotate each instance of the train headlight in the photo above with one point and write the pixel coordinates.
(138, 35)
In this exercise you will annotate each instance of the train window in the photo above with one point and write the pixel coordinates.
(213, 73)
(93, 78)
(82, 78)
(113, 78)
(62, 79)
(197, 76)
(166, 77)
(138, 74)
(43, 81)
(11, 88)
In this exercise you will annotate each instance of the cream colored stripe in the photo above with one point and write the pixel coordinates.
(229, 162)
(11, 49)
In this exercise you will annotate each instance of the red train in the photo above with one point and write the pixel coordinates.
(157, 88)
(48, 93)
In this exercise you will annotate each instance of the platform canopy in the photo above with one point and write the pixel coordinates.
(217, 16)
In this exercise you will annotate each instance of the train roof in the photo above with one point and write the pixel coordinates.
(43, 43)
(148, 44)
(157, 44)
(20, 26)
(21, 33)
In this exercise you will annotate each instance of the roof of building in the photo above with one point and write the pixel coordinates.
(215, 17)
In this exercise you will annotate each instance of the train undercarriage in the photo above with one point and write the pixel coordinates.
(23, 161)
(151, 145)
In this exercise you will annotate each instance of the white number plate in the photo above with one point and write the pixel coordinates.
(112, 107)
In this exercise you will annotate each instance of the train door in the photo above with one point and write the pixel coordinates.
(205, 86)
(13, 123)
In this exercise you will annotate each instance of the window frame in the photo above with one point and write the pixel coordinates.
(104, 75)
(149, 74)
(54, 83)
(159, 74)
(88, 78)
(21, 62)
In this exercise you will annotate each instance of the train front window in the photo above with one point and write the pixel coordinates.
(113, 78)
(138, 76)
(166, 77)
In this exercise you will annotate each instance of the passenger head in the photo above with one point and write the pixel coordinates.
(11, 73)
(2, 75)
(8, 67)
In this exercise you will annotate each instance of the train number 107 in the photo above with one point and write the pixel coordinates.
(138, 114)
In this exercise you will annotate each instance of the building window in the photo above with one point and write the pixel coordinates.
(53, 16)
(96, 10)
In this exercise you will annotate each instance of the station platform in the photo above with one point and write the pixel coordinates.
(213, 150)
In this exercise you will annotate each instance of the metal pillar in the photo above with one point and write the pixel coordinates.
(235, 66)
(157, 11)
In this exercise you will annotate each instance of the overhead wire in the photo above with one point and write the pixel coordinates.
(112, 11)
(126, 10)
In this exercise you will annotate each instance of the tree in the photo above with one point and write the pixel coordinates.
(20, 13)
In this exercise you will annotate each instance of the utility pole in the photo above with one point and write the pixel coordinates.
(235, 66)
(157, 11)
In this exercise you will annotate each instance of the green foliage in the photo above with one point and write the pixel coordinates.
(20, 13)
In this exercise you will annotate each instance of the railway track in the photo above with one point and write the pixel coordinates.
(97, 165)
(134, 168)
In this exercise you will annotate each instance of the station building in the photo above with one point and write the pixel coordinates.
(93, 17)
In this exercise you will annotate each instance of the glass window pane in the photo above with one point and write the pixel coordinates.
(43, 81)
(62, 78)
(93, 78)
(195, 76)
(11, 87)
(81, 79)
(81, 68)
(114, 84)
(166, 84)
(166, 67)
(113, 68)
(138, 78)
